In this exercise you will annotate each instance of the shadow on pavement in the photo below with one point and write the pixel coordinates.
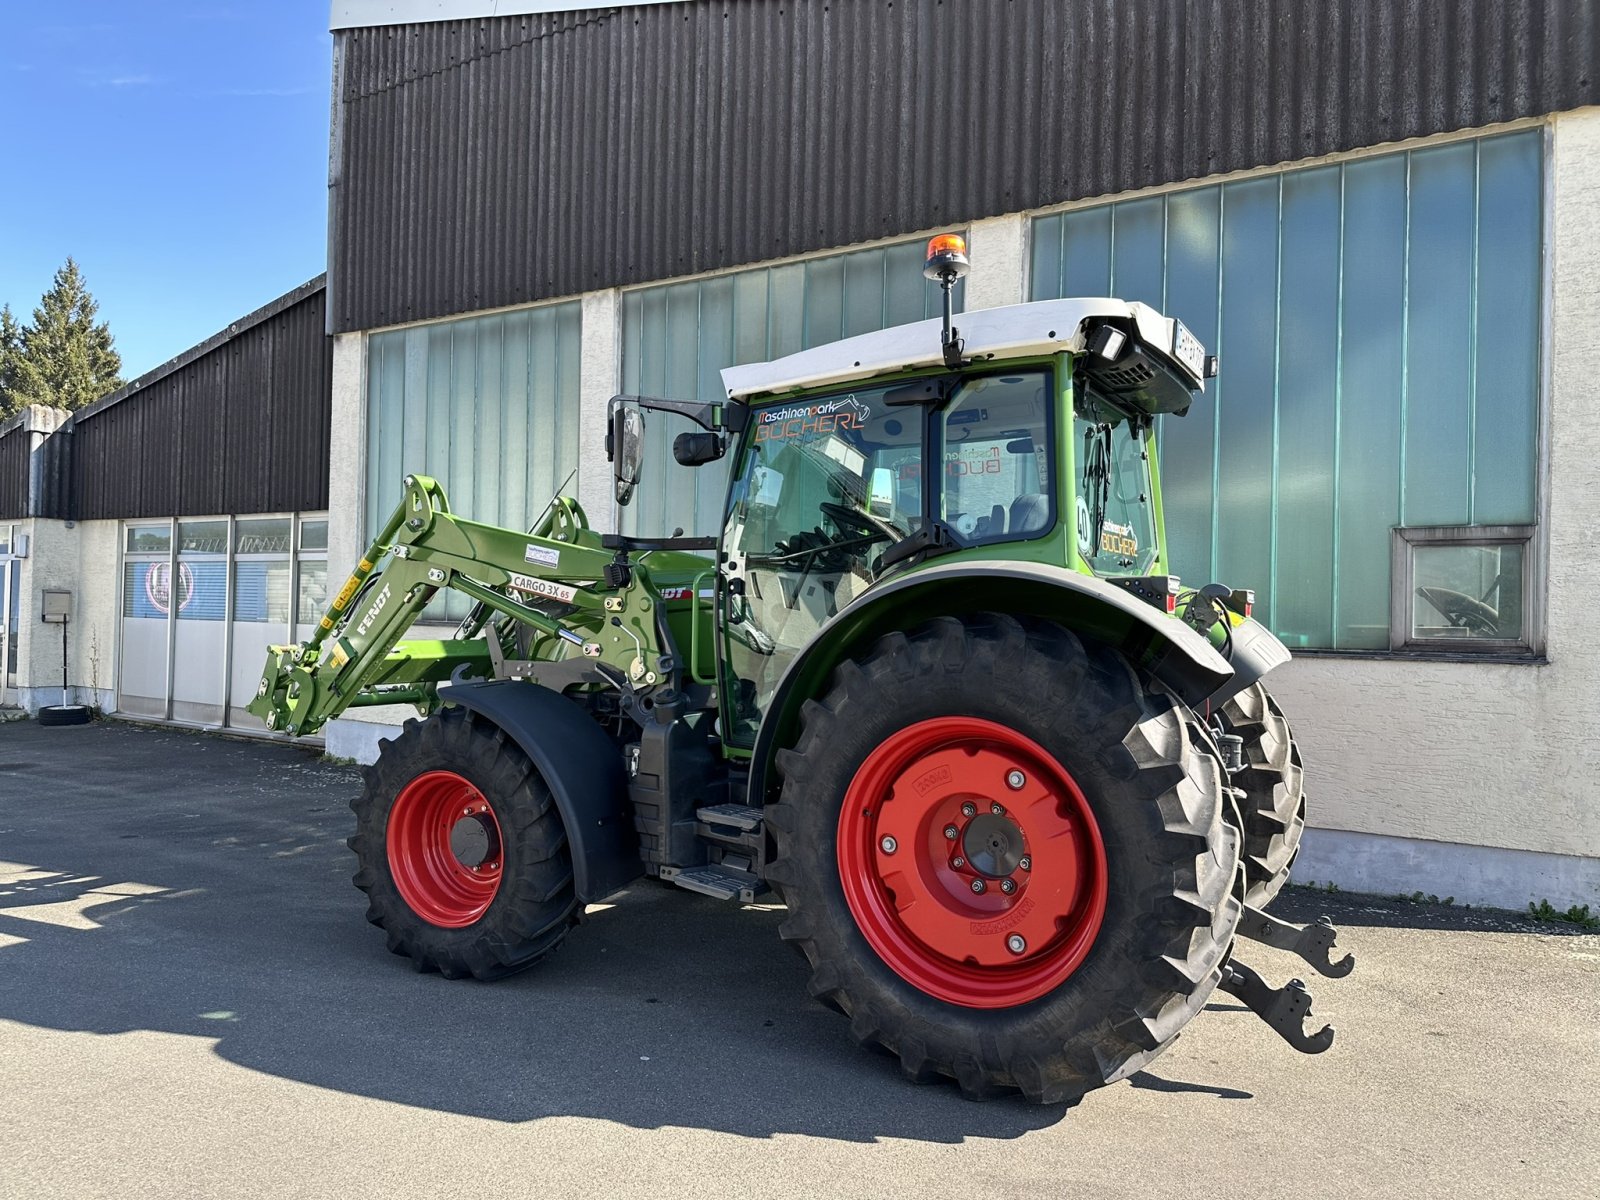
(158, 880)
(1302, 904)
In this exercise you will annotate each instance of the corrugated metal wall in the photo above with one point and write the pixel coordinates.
(14, 474)
(495, 162)
(242, 428)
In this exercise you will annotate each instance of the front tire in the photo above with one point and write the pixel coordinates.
(462, 852)
(1030, 744)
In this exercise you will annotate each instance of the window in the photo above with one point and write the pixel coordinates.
(1116, 514)
(1464, 588)
(488, 406)
(1378, 327)
(997, 480)
(676, 339)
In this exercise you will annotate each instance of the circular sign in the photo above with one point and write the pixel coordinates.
(158, 586)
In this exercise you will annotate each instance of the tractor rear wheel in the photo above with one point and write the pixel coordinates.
(1273, 810)
(462, 852)
(1004, 854)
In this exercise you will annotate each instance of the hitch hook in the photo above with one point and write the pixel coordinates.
(1314, 943)
(1285, 1009)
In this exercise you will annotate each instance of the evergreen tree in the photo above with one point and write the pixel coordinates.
(10, 348)
(66, 359)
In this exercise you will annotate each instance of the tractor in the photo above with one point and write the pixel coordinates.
(1021, 792)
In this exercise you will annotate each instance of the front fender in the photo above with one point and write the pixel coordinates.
(1166, 648)
(580, 765)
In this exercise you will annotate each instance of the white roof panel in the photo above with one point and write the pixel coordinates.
(1016, 331)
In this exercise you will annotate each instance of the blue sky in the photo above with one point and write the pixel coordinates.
(178, 150)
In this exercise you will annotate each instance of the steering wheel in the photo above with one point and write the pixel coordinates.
(863, 525)
(1462, 611)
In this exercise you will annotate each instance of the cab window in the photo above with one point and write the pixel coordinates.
(995, 484)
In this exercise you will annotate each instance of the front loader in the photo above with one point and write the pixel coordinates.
(1021, 791)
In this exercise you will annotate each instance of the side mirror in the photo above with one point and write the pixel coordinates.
(626, 444)
(880, 492)
(697, 449)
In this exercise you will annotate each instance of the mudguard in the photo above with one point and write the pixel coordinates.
(1175, 654)
(580, 765)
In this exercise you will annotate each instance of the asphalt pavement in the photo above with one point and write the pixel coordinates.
(191, 1005)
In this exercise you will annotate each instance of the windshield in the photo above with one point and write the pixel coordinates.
(1116, 511)
(825, 487)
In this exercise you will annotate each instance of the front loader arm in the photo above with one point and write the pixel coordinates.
(356, 656)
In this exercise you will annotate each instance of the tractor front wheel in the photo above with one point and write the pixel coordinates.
(462, 852)
(1004, 853)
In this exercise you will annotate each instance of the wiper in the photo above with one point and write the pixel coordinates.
(1096, 477)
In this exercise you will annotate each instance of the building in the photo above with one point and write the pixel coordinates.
(1381, 214)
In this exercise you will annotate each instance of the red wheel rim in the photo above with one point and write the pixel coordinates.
(432, 814)
(1021, 829)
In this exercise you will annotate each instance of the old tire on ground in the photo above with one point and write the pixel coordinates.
(65, 714)
(1273, 809)
(451, 794)
(1101, 776)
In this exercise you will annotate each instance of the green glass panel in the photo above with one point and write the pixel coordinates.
(824, 302)
(1506, 352)
(1044, 274)
(1086, 252)
(1438, 307)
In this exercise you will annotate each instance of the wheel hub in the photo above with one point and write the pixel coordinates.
(994, 845)
(972, 862)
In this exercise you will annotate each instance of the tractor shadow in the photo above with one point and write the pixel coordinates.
(201, 887)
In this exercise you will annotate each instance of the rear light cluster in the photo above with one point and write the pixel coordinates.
(1158, 590)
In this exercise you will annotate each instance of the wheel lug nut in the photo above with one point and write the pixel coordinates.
(969, 809)
(889, 845)
(1008, 886)
(1015, 779)
(1016, 944)
(958, 862)
(467, 811)
(950, 831)
(1026, 863)
(978, 886)
(997, 809)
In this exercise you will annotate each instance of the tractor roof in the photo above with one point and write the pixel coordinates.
(1016, 331)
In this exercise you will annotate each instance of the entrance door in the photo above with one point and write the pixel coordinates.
(10, 571)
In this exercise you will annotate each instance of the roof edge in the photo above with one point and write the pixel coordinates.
(373, 14)
(249, 321)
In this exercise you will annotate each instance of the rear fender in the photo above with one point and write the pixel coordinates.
(1172, 652)
(581, 766)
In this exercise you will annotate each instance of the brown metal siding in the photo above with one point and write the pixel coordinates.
(492, 162)
(14, 474)
(243, 428)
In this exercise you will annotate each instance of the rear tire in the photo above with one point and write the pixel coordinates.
(1273, 810)
(1151, 791)
(444, 782)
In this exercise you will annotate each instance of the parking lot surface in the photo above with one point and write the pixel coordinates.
(191, 1005)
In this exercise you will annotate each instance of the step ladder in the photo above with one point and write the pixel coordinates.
(737, 842)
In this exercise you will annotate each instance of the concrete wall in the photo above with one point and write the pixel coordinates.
(81, 559)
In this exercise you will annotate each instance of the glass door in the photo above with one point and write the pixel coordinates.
(147, 593)
(200, 631)
(261, 591)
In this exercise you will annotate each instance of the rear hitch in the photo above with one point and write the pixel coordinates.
(1314, 943)
(1285, 1009)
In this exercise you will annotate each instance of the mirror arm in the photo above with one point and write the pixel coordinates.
(730, 415)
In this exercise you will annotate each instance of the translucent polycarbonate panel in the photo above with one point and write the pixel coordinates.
(1378, 325)
(1246, 399)
(1371, 395)
(487, 405)
(1439, 335)
(1468, 592)
(677, 338)
(1506, 348)
(1302, 601)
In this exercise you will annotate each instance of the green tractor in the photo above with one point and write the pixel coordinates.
(1020, 791)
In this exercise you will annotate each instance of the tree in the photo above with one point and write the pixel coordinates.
(10, 348)
(65, 359)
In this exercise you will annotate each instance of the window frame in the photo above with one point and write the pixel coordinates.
(1407, 540)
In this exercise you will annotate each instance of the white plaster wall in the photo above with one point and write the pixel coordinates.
(998, 250)
(95, 632)
(52, 562)
(601, 379)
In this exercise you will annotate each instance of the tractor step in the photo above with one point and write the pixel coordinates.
(737, 816)
(718, 881)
